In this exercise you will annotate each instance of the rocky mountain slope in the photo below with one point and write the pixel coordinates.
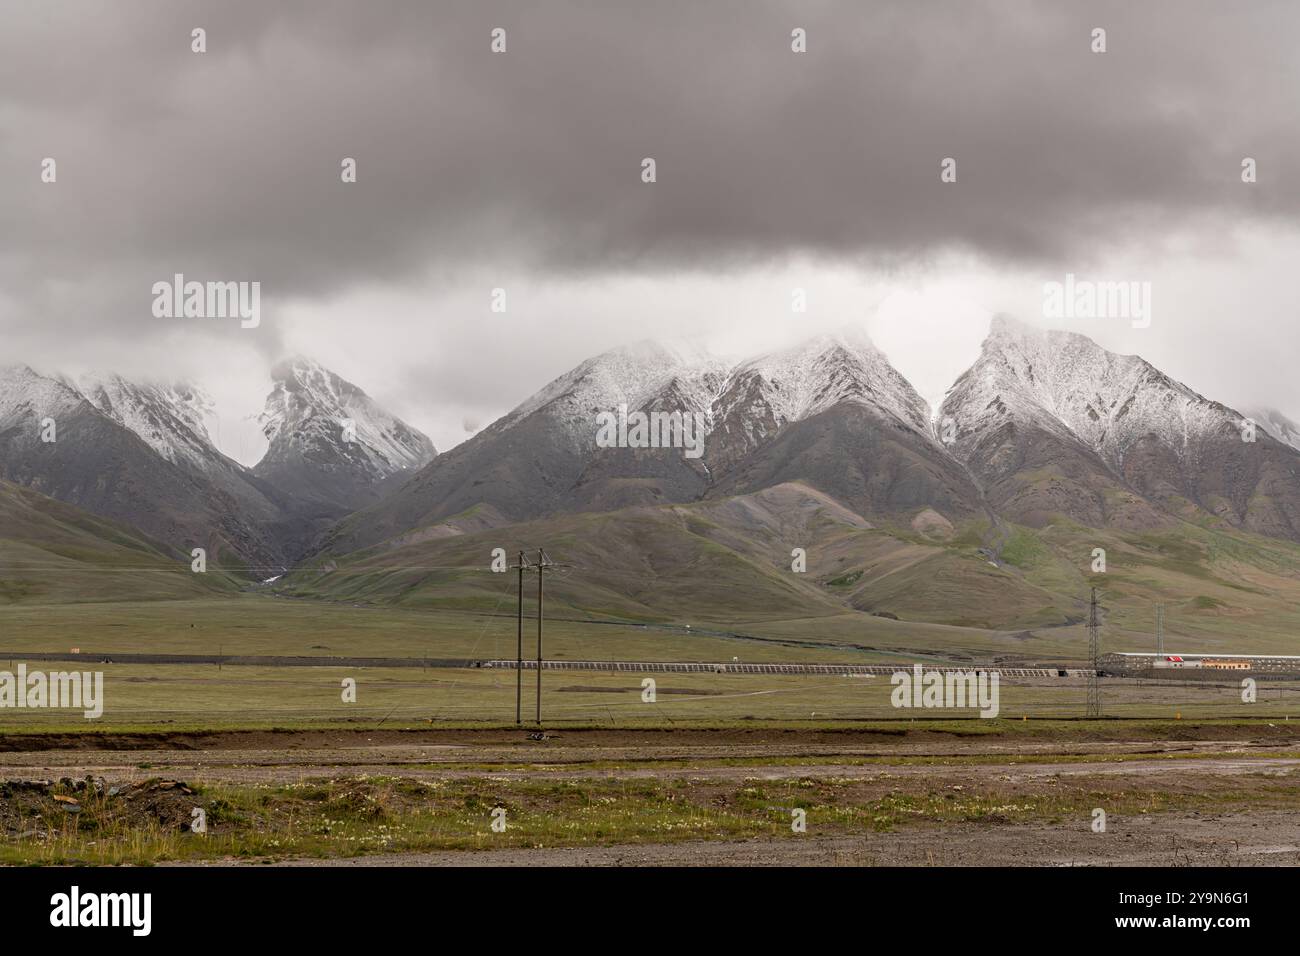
(142, 453)
(332, 449)
(1051, 423)
(99, 464)
(321, 424)
(831, 412)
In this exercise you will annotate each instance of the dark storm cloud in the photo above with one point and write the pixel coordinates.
(226, 165)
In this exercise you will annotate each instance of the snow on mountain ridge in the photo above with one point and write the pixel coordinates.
(824, 371)
(24, 391)
(171, 418)
(764, 393)
(1065, 382)
(309, 408)
(637, 375)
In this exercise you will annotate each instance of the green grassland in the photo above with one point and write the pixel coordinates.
(54, 553)
(1223, 590)
(712, 561)
(264, 624)
(188, 697)
(720, 566)
(710, 581)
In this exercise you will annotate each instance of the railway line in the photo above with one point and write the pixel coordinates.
(639, 667)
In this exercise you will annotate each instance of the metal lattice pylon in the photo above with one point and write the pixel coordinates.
(1094, 658)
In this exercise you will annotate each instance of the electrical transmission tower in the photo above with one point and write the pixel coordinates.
(1094, 658)
(1160, 629)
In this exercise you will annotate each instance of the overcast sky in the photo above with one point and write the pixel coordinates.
(522, 170)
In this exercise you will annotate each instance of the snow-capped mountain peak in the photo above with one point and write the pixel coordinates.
(24, 392)
(1068, 384)
(817, 375)
(314, 415)
(755, 397)
(638, 375)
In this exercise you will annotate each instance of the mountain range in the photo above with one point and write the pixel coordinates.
(142, 454)
(832, 412)
(1043, 424)
(968, 513)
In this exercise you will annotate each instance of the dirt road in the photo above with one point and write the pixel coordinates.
(291, 757)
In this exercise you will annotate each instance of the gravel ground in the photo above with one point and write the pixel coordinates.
(1265, 839)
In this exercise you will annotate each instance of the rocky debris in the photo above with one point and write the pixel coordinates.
(37, 808)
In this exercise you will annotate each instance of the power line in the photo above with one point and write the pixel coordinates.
(544, 563)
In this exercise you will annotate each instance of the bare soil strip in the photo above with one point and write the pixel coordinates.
(975, 734)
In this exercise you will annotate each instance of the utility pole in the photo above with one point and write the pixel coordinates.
(519, 649)
(1160, 629)
(1094, 657)
(541, 564)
